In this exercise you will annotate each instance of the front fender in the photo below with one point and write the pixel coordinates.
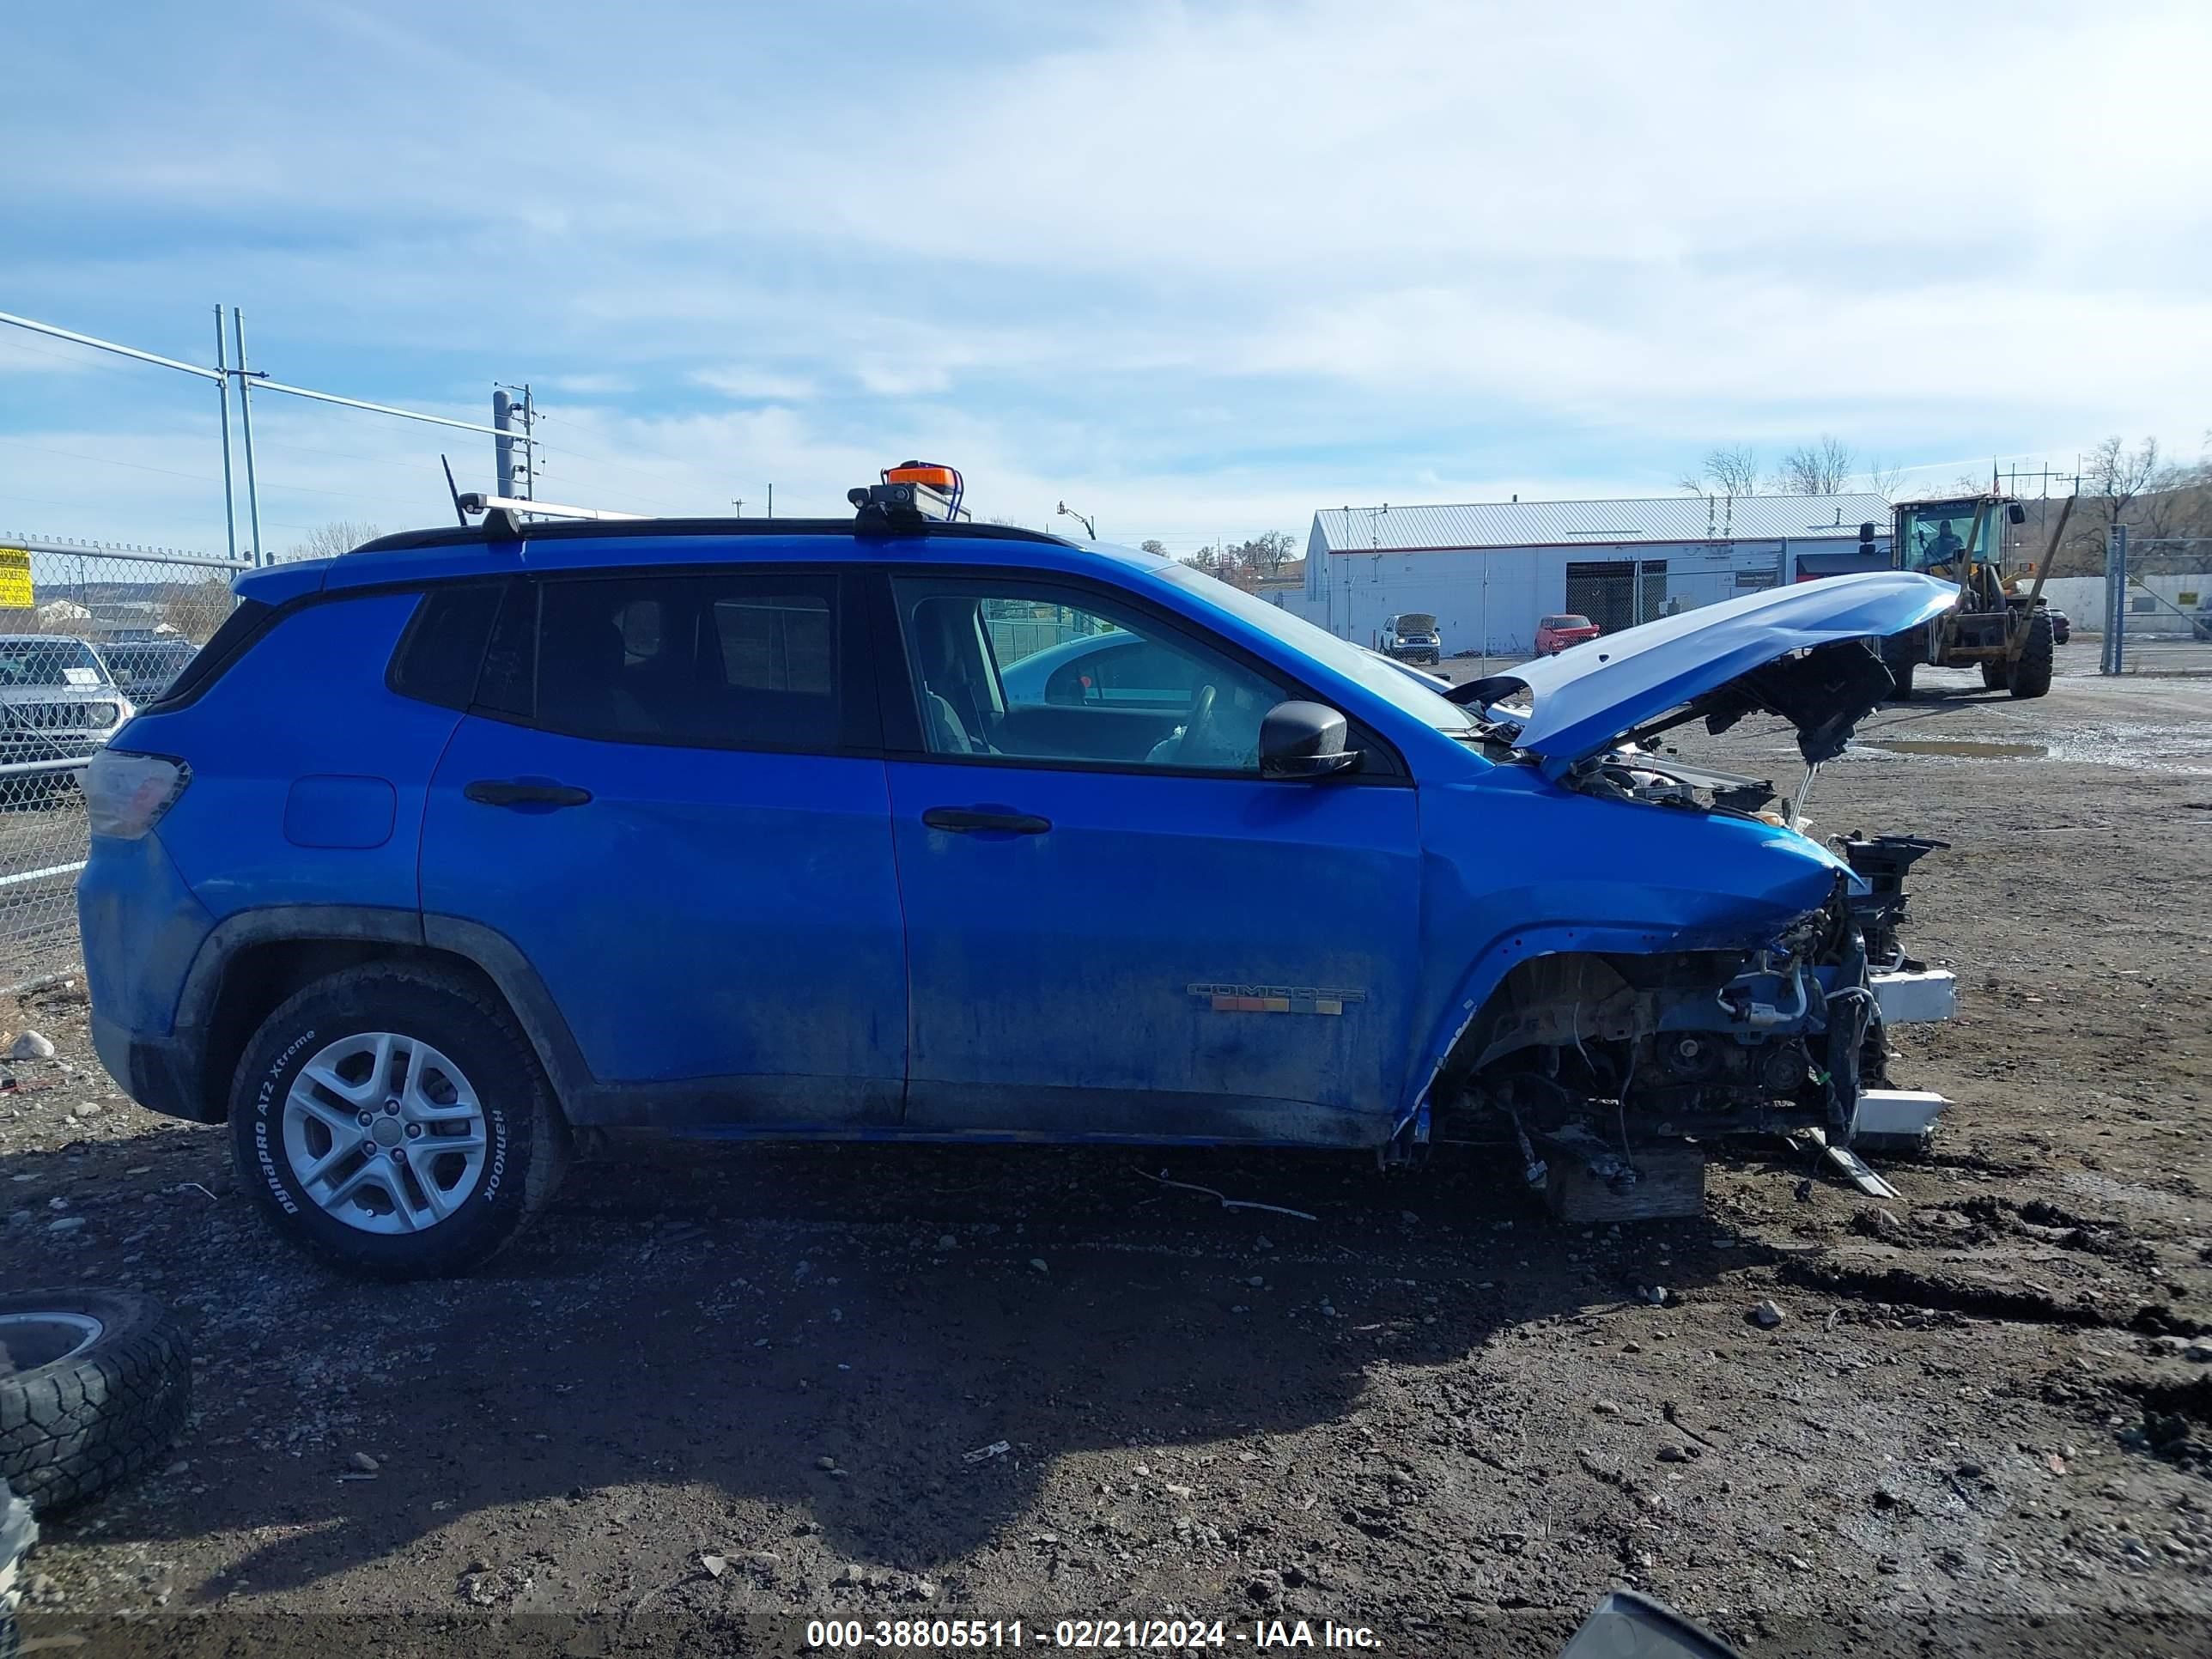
(1519, 867)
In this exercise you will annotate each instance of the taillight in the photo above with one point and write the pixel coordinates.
(124, 795)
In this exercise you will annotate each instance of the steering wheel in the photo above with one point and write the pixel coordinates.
(1197, 728)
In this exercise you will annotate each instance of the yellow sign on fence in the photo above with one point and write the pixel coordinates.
(16, 592)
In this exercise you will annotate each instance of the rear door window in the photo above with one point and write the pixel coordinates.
(721, 660)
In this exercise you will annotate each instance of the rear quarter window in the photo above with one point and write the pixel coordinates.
(442, 653)
(246, 623)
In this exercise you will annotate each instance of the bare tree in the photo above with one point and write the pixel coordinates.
(2113, 477)
(1727, 470)
(329, 540)
(1152, 544)
(1267, 552)
(196, 609)
(1821, 468)
(1884, 478)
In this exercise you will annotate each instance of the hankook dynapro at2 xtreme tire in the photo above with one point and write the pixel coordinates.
(94, 1386)
(391, 1121)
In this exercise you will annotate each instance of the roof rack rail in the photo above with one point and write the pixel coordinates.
(503, 514)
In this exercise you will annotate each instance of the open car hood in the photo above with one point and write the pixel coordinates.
(1724, 661)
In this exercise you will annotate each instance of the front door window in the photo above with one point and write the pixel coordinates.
(1035, 672)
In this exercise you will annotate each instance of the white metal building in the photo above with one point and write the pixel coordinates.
(1488, 571)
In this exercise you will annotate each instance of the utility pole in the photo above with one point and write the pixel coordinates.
(739, 504)
(246, 420)
(502, 417)
(517, 462)
(771, 501)
(222, 404)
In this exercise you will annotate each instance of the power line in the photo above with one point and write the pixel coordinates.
(107, 460)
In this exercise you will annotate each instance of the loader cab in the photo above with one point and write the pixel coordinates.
(1944, 538)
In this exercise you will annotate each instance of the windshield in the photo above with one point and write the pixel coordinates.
(1566, 622)
(1368, 671)
(1936, 535)
(58, 661)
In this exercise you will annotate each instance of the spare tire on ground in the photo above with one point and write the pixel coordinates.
(94, 1386)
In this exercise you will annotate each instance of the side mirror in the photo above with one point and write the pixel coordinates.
(2015, 512)
(1303, 740)
(1626, 1625)
(1866, 533)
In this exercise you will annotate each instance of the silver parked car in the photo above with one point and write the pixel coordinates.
(142, 669)
(57, 701)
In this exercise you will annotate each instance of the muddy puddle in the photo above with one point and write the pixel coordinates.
(1958, 749)
(2150, 748)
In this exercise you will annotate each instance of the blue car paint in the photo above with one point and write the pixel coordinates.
(140, 927)
(1052, 974)
(1583, 699)
(1589, 875)
(310, 699)
(1055, 970)
(709, 915)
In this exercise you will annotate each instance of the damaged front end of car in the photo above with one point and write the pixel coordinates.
(1590, 1056)
(1754, 1003)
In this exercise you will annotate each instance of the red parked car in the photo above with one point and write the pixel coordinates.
(1555, 633)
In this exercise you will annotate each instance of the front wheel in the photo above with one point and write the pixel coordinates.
(393, 1121)
(2030, 674)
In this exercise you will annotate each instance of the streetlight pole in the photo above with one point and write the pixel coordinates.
(1090, 527)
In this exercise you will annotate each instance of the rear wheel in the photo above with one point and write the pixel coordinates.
(393, 1121)
(2030, 674)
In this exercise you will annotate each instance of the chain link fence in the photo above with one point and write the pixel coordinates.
(87, 633)
(2156, 610)
(1617, 593)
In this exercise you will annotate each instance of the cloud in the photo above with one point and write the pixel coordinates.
(1184, 263)
(753, 385)
(592, 385)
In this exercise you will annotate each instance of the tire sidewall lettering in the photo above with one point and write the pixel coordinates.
(264, 1098)
(267, 1133)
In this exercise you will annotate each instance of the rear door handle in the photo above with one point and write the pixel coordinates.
(524, 792)
(963, 819)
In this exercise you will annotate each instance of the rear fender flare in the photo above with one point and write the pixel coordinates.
(490, 952)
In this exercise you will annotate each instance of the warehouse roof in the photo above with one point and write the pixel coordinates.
(1571, 524)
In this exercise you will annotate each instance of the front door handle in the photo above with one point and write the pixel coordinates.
(524, 792)
(964, 819)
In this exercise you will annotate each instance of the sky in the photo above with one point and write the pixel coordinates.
(1194, 270)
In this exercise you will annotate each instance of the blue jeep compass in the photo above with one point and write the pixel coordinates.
(473, 838)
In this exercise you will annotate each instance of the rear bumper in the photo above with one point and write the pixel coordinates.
(156, 1071)
(140, 927)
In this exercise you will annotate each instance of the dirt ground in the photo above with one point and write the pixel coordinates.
(719, 1391)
